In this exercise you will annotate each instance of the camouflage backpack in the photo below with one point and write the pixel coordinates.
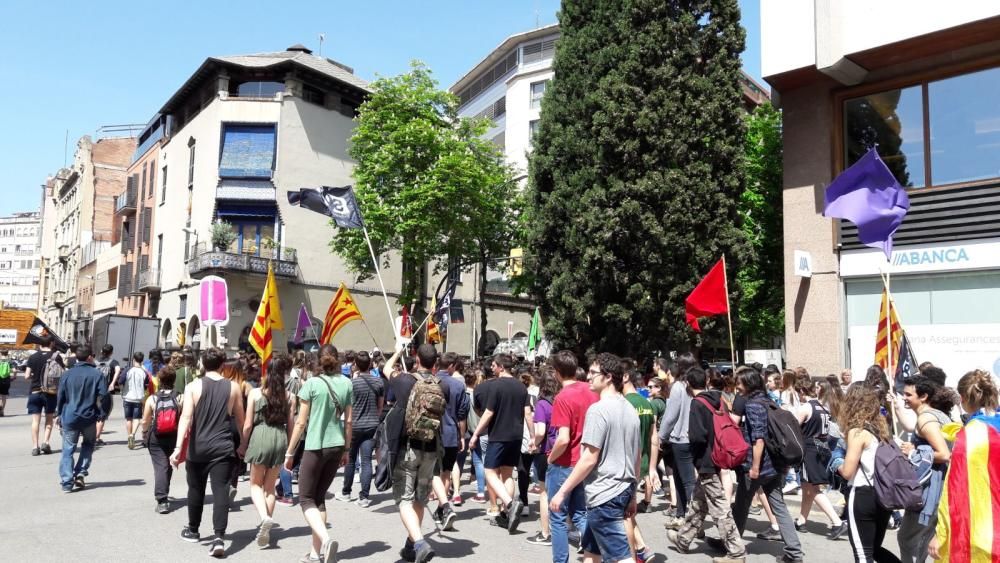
(425, 409)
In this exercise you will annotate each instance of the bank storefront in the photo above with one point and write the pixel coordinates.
(947, 297)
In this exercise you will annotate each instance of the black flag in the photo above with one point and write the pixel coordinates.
(906, 365)
(39, 330)
(338, 203)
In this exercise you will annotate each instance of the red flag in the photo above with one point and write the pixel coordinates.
(709, 298)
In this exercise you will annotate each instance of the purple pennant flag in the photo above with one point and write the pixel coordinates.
(868, 195)
(302, 325)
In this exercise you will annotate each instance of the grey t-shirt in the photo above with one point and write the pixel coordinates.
(612, 425)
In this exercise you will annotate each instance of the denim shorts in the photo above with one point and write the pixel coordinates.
(41, 401)
(133, 411)
(605, 533)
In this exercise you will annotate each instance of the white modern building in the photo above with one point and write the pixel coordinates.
(20, 259)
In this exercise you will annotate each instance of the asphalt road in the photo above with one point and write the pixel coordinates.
(113, 519)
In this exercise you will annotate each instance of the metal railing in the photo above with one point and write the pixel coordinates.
(125, 202)
(148, 280)
(204, 259)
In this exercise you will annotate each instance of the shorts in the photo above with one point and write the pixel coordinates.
(605, 532)
(5, 386)
(815, 458)
(133, 411)
(412, 476)
(107, 405)
(502, 454)
(541, 464)
(37, 402)
(448, 460)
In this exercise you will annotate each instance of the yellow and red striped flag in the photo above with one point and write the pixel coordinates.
(433, 332)
(888, 329)
(968, 526)
(268, 318)
(342, 310)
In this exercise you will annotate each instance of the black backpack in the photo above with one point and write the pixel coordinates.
(784, 442)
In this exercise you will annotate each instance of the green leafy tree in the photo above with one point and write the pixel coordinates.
(428, 185)
(761, 281)
(637, 171)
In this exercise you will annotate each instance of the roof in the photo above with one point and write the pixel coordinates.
(501, 50)
(321, 65)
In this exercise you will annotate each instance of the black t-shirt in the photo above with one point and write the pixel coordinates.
(480, 396)
(739, 405)
(36, 363)
(507, 398)
(112, 366)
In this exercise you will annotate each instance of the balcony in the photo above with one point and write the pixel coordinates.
(59, 298)
(205, 261)
(148, 281)
(63, 252)
(125, 202)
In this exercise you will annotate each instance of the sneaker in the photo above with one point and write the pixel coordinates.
(799, 526)
(408, 554)
(770, 535)
(456, 500)
(675, 539)
(674, 523)
(67, 488)
(46, 449)
(501, 520)
(438, 516)
(328, 553)
(492, 512)
(479, 498)
(79, 482)
(162, 507)
(838, 531)
(424, 553)
(525, 511)
(448, 519)
(287, 501)
(189, 535)
(645, 555)
(642, 507)
(364, 502)
(232, 497)
(539, 539)
(131, 442)
(264, 533)
(784, 558)
(36, 451)
(99, 442)
(514, 515)
(217, 548)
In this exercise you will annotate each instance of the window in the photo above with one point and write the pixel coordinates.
(147, 223)
(536, 52)
(488, 78)
(532, 129)
(159, 252)
(247, 151)
(537, 91)
(163, 188)
(259, 89)
(494, 110)
(182, 307)
(893, 120)
(191, 144)
(313, 95)
(152, 180)
(143, 192)
(454, 272)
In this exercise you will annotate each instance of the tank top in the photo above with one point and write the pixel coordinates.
(212, 430)
(817, 426)
(865, 475)
(941, 418)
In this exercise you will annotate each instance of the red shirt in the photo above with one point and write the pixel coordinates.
(569, 411)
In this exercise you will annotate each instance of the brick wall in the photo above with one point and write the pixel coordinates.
(111, 158)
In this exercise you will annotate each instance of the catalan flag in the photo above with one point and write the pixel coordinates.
(968, 526)
(268, 318)
(342, 310)
(888, 329)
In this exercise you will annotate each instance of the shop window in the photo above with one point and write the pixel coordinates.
(893, 121)
(965, 127)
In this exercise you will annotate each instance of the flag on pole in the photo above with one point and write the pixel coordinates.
(303, 324)
(268, 318)
(868, 195)
(906, 363)
(443, 311)
(405, 326)
(888, 331)
(433, 333)
(342, 310)
(338, 203)
(533, 334)
(708, 298)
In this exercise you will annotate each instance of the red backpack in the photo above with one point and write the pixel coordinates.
(729, 449)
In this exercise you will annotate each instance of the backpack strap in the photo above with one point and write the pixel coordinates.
(717, 412)
(337, 409)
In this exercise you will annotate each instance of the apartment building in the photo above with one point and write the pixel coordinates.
(20, 259)
(921, 82)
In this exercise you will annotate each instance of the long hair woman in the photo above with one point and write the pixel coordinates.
(265, 430)
(548, 387)
(159, 442)
(865, 428)
(322, 400)
(815, 421)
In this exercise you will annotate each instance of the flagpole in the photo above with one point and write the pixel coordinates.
(729, 312)
(364, 322)
(378, 272)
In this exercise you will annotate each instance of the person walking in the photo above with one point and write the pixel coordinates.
(814, 419)
(323, 399)
(609, 464)
(160, 418)
(544, 436)
(472, 380)
(134, 383)
(674, 431)
(212, 406)
(41, 400)
(6, 374)
(78, 408)
(647, 417)
(110, 369)
(453, 432)
(368, 402)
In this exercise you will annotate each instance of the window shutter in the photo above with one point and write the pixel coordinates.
(147, 218)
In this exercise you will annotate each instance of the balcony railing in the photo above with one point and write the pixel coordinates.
(205, 260)
(125, 202)
(149, 281)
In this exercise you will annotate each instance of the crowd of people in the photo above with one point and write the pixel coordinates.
(593, 440)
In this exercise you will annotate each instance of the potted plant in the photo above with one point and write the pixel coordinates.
(223, 235)
(269, 244)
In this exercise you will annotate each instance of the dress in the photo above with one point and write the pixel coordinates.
(268, 444)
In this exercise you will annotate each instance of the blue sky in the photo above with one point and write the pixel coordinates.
(75, 66)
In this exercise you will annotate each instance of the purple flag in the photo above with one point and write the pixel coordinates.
(302, 325)
(868, 195)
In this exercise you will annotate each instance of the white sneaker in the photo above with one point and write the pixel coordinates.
(526, 510)
(264, 533)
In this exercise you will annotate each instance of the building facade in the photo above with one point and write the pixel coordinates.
(20, 260)
(924, 91)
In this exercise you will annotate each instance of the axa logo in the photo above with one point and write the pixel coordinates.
(928, 257)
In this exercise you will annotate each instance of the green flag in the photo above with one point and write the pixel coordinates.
(533, 336)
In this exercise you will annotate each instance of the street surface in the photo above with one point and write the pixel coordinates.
(113, 519)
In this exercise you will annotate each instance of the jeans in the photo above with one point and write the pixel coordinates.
(67, 469)
(284, 488)
(477, 467)
(576, 507)
(772, 484)
(685, 477)
(605, 534)
(363, 442)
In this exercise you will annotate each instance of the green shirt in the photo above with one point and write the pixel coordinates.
(659, 407)
(646, 418)
(325, 429)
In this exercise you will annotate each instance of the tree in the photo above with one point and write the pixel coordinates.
(428, 185)
(637, 171)
(762, 307)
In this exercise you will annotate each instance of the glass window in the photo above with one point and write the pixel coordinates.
(892, 120)
(260, 89)
(965, 127)
(247, 151)
(537, 91)
(532, 128)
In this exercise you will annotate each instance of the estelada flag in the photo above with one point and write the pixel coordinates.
(968, 526)
(342, 310)
(887, 331)
(709, 298)
(268, 318)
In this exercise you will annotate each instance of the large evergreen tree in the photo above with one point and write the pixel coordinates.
(637, 170)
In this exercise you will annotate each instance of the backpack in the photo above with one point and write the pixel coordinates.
(104, 366)
(53, 373)
(4, 369)
(424, 409)
(729, 449)
(784, 442)
(896, 484)
(166, 414)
